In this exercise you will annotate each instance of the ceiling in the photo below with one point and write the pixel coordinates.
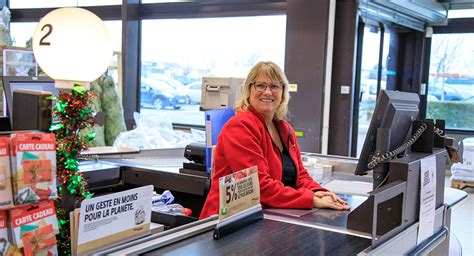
(415, 14)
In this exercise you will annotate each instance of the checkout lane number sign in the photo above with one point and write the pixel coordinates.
(238, 191)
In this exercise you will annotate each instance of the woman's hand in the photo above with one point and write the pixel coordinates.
(331, 194)
(325, 199)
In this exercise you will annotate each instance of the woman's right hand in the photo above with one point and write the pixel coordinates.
(328, 202)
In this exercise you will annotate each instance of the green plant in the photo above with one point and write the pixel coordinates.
(457, 114)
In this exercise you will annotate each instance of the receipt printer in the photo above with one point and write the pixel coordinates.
(220, 92)
(196, 153)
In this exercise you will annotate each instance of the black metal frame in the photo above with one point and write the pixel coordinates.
(196, 9)
(211, 9)
(358, 70)
(380, 64)
(131, 59)
(360, 37)
(111, 12)
(464, 25)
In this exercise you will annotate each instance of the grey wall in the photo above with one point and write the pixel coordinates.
(343, 69)
(306, 40)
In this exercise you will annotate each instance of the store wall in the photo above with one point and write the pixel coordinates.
(343, 72)
(306, 44)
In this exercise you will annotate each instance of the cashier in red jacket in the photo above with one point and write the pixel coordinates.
(259, 135)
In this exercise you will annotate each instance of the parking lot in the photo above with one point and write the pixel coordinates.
(188, 113)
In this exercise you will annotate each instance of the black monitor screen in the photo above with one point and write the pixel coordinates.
(12, 83)
(394, 110)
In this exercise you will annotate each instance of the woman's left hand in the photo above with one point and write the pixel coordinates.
(334, 197)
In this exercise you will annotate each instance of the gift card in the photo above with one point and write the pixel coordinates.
(39, 241)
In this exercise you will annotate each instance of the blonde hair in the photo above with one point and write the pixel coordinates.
(274, 72)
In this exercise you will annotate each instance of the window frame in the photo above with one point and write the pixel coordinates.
(130, 11)
(109, 12)
(455, 26)
(358, 75)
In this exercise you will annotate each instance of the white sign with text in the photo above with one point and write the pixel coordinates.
(427, 198)
(468, 158)
(114, 217)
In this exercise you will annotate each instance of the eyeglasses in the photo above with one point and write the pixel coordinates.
(261, 86)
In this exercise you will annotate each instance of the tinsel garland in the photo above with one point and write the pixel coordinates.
(71, 113)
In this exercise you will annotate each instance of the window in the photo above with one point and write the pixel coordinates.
(177, 53)
(369, 78)
(451, 81)
(27, 4)
(21, 32)
(464, 13)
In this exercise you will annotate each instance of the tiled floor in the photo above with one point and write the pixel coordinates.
(462, 221)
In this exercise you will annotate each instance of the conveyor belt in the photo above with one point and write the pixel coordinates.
(269, 237)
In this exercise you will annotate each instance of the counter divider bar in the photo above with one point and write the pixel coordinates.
(159, 240)
(318, 226)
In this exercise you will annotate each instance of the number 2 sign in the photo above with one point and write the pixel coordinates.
(72, 44)
(49, 29)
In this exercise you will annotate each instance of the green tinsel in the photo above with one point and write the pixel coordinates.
(73, 114)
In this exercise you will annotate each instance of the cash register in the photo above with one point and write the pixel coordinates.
(196, 154)
(218, 93)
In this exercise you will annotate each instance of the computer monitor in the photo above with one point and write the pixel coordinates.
(37, 117)
(12, 83)
(394, 111)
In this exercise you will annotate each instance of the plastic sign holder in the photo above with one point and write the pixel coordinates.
(239, 201)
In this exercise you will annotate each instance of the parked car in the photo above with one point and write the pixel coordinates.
(462, 84)
(175, 85)
(450, 94)
(194, 91)
(186, 79)
(460, 80)
(159, 94)
(180, 88)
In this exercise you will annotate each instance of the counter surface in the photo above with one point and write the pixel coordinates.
(318, 217)
(269, 237)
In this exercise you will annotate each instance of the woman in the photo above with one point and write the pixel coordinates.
(259, 135)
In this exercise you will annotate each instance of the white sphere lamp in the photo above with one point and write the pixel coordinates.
(72, 45)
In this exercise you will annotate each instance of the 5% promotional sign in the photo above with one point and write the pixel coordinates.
(230, 193)
(238, 191)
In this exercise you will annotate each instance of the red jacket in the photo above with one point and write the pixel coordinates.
(244, 142)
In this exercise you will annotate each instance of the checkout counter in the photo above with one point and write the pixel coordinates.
(158, 167)
(282, 231)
